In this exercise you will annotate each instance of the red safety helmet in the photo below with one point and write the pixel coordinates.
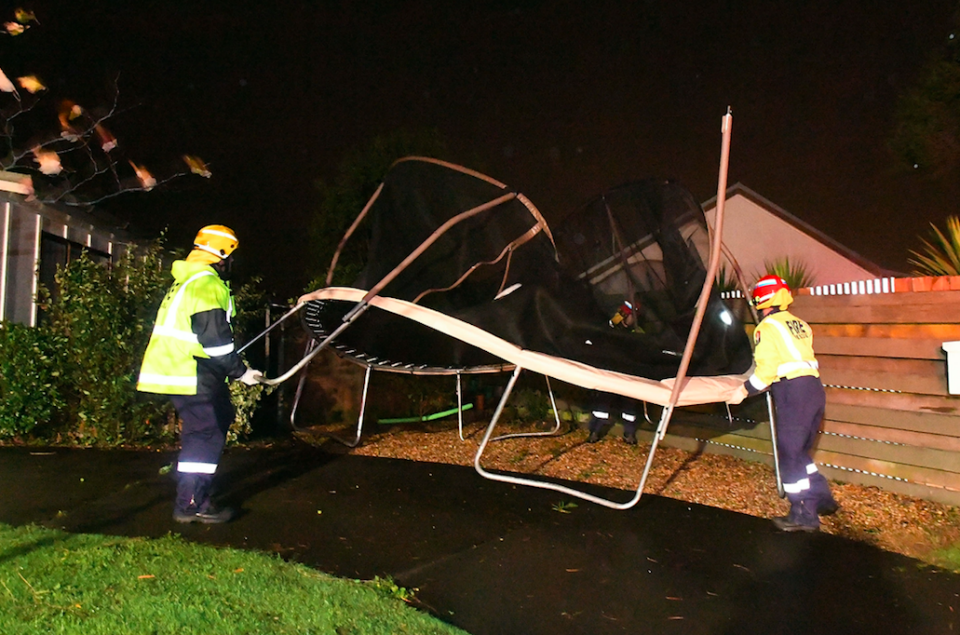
(771, 291)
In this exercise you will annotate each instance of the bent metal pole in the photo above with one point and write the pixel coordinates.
(715, 251)
(364, 303)
(675, 393)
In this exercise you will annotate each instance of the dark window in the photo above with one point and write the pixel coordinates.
(57, 252)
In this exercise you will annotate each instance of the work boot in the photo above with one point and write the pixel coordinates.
(801, 517)
(820, 491)
(594, 425)
(787, 523)
(210, 516)
(828, 506)
(630, 437)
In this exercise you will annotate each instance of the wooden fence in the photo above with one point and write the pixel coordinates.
(890, 421)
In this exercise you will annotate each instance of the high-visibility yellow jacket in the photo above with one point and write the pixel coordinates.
(191, 348)
(784, 350)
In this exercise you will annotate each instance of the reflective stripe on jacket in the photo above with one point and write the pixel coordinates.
(170, 362)
(784, 350)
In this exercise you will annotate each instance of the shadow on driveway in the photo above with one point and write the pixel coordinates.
(493, 558)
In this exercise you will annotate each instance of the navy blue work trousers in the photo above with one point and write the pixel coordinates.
(800, 403)
(206, 420)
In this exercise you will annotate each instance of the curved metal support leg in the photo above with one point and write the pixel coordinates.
(773, 441)
(664, 421)
(296, 401)
(303, 379)
(646, 415)
(363, 407)
(556, 416)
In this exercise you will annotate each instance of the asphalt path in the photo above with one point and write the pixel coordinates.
(493, 558)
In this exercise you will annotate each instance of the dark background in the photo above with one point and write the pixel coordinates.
(559, 100)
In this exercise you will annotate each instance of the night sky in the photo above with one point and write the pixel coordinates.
(559, 100)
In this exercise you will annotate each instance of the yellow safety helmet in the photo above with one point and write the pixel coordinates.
(216, 240)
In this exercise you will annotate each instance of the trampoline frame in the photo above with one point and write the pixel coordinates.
(668, 409)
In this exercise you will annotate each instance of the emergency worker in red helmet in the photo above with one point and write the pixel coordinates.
(785, 364)
(190, 355)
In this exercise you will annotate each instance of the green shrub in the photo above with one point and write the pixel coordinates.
(103, 316)
(29, 378)
(76, 372)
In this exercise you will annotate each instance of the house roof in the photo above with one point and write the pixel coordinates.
(800, 225)
(18, 188)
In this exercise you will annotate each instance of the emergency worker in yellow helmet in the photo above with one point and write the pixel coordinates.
(785, 364)
(190, 355)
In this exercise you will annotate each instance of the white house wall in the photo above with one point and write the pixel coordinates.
(755, 236)
(20, 266)
(21, 225)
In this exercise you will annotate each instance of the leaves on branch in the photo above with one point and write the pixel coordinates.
(197, 166)
(68, 112)
(31, 84)
(5, 84)
(14, 28)
(107, 141)
(24, 17)
(143, 175)
(49, 161)
(78, 162)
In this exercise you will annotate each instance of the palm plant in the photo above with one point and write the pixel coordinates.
(725, 280)
(796, 274)
(941, 254)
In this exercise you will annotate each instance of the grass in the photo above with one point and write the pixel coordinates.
(948, 558)
(53, 582)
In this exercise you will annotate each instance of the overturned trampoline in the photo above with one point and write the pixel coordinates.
(464, 276)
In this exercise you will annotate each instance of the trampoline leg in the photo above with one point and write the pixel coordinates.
(303, 378)
(556, 416)
(363, 407)
(363, 404)
(460, 407)
(554, 486)
(773, 441)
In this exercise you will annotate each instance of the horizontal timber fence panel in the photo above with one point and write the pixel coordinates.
(893, 435)
(928, 422)
(890, 421)
(884, 347)
(932, 382)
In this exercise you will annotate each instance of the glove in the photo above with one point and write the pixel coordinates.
(738, 395)
(251, 377)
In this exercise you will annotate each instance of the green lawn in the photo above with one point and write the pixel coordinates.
(53, 582)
